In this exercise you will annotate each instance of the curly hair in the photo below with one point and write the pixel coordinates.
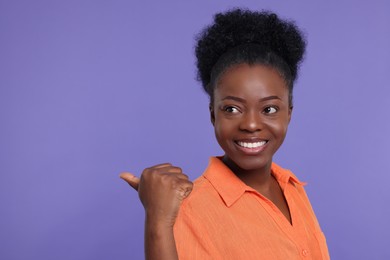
(242, 36)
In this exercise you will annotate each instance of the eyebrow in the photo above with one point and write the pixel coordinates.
(243, 100)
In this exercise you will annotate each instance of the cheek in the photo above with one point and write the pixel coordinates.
(223, 129)
(220, 130)
(279, 128)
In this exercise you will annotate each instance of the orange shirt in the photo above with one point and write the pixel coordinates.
(223, 218)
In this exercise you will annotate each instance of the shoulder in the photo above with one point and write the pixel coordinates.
(288, 180)
(202, 194)
(203, 206)
(297, 191)
(284, 175)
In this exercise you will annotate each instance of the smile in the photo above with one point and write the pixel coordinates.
(251, 145)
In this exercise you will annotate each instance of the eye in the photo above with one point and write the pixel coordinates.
(270, 110)
(231, 110)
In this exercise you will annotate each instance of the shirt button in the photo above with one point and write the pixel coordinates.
(305, 252)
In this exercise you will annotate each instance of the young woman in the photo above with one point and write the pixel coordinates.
(244, 206)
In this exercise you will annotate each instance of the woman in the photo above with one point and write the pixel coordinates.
(244, 206)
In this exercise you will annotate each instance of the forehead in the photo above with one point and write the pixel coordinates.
(255, 81)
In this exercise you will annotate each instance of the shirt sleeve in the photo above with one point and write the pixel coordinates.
(192, 239)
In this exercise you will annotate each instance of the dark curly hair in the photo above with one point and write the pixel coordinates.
(242, 36)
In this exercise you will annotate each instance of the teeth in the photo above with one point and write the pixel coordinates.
(251, 145)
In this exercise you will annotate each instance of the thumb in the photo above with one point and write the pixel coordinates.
(131, 179)
(186, 190)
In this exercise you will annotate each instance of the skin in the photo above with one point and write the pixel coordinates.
(161, 189)
(250, 105)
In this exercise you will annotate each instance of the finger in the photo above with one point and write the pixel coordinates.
(170, 169)
(131, 179)
(185, 189)
(161, 165)
(167, 169)
(176, 173)
(182, 176)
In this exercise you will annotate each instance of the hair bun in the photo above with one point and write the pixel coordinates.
(237, 27)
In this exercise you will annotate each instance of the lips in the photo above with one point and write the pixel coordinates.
(251, 144)
(251, 147)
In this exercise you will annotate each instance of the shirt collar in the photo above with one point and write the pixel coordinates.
(231, 188)
(284, 176)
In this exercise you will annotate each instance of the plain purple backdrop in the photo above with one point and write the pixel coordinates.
(92, 88)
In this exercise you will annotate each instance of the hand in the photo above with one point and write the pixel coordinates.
(162, 189)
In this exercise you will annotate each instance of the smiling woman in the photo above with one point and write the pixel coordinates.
(250, 114)
(244, 206)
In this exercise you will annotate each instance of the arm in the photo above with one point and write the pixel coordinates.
(159, 241)
(161, 189)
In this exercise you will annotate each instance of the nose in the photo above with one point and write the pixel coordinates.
(251, 122)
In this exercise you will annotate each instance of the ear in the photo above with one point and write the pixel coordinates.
(290, 110)
(212, 115)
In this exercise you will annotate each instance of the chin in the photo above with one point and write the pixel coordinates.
(249, 163)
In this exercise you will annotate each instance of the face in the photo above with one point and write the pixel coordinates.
(250, 113)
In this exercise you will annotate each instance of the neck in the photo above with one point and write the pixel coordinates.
(259, 178)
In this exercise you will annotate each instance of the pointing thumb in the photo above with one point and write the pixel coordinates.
(131, 179)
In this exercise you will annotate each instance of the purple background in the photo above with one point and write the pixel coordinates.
(92, 88)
